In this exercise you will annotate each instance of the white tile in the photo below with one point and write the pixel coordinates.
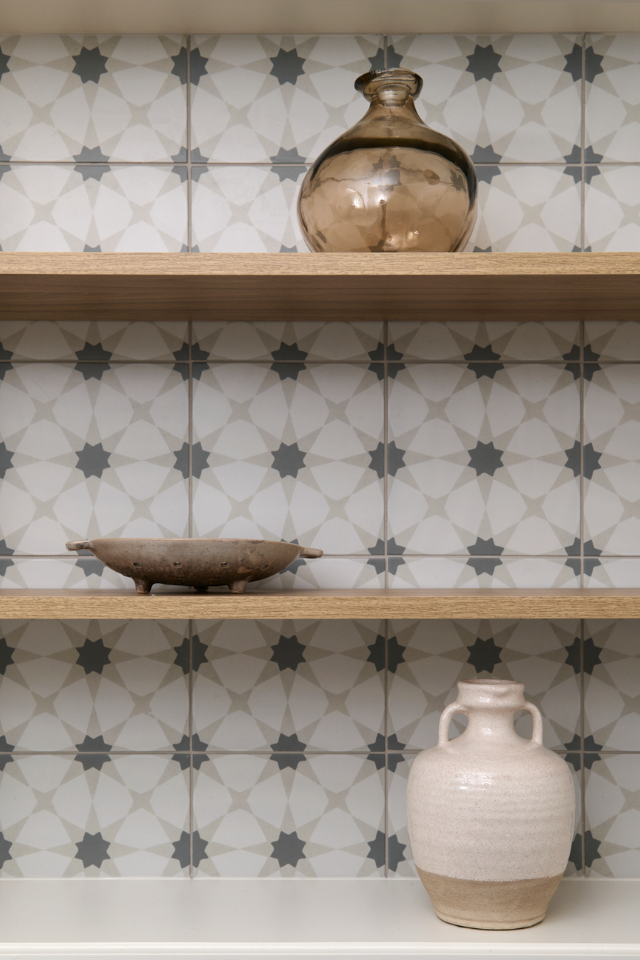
(93, 98)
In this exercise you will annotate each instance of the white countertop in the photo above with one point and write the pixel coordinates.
(222, 918)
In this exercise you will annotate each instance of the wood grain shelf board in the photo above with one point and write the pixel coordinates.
(319, 16)
(241, 286)
(321, 604)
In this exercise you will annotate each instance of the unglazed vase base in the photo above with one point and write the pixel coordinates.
(490, 904)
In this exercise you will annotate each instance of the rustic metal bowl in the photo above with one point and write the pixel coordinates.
(195, 563)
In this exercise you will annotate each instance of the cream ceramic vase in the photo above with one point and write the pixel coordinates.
(490, 814)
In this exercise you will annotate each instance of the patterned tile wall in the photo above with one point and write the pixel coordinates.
(457, 454)
(177, 143)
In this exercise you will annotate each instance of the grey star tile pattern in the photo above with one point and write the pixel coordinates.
(90, 341)
(258, 95)
(91, 98)
(319, 820)
(447, 573)
(483, 343)
(59, 573)
(519, 95)
(612, 807)
(397, 820)
(346, 573)
(612, 111)
(612, 209)
(612, 340)
(123, 209)
(92, 457)
(612, 427)
(527, 209)
(64, 681)
(290, 458)
(610, 572)
(312, 678)
(612, 684)
(58, 820)
(436, 654)
(484, 457)
(248, 208)
(289, 342)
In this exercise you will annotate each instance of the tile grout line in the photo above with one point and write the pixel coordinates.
(386, 749)
(407, 362)
(583, 112)
(385, 442)
(189, 185)
(581, 428)
(219, 752)
(583, 779)
(190, 428)
(190, 728)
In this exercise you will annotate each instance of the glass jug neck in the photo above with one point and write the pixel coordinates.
(389, 107)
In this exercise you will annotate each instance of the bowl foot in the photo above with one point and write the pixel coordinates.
(238, 586)
(200, 587)
(143, 586)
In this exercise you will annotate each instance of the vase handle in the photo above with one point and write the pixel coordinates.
(445, 720)
(536, 716)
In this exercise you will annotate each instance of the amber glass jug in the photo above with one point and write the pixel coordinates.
(390, 184)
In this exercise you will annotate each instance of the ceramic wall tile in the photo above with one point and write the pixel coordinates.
(329, 573)
(246, 209)
(261, 98)
(89, 342)
(93, 685)
(501, 341)
(289, 453)
(447, 573)
(611, 105)
(533, 209)
(315, 816)
(400, 858)
(283, 343)
(87, 573)
(607, 340)
(289, 685)
(93, 207)
(58, 573)
(609, 572)
(611, 459)
(501, 97)
(427, 659)
(612, 684)
(612, 805)
(93, 99)
(612, 208)
(95, 451)
(483, 461)
(124, 817)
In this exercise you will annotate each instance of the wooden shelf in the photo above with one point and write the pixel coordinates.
(332, 919)
(241, 286)
(319, 16)
(321, 604)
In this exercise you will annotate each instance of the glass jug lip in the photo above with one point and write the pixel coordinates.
(371, 84)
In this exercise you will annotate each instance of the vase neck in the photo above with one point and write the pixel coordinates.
(490, 706)
(492, 724)
(389, 108)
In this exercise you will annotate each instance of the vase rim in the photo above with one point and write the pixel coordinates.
(370, 84)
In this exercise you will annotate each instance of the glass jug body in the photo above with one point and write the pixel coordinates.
(390, 184)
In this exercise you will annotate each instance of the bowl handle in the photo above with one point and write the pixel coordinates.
(79, 545)
(310, 552)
